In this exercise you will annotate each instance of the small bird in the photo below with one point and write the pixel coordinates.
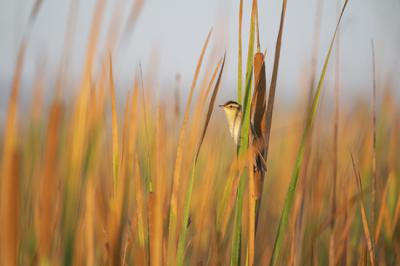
(234, 115)
(233, 112)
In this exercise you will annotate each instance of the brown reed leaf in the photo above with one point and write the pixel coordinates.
(89, 223)
(49, 182)
(210, 109)
(239, 69)
(35, 10)
(189, 191)
(115, 141)
(374, 173)
(332, 240)
(396, 216)
(78, 140)
(160, 183)
(151, 225)
(252, 209)
(367, 233)
(9, 187)
(177, 96)
(139, 203)
(136, 9)
(381, 212)
(112, 36)
(274, 79)
(258, 107)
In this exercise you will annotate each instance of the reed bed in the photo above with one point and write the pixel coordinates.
(99, 179)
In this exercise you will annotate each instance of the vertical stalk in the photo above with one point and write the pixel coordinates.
(240, 80)
(335, 145)
(374, 175)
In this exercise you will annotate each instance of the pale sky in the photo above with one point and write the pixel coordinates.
(174, 31)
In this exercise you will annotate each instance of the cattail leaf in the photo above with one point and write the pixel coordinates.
(258, 113)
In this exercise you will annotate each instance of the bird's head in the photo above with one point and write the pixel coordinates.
(231, 107)
(233, 113)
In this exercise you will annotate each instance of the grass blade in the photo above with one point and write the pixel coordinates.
(157, 221)
(210, 109)
(115, 141)
(147, 174)
(178, 163)
(284, 219)
(367, 233)
(182, 239)
(9, 179)
(252, 215)
(136, 9)
(240, 79)
(235, 253)
(374, 175)
(332, 244)
(272, 87)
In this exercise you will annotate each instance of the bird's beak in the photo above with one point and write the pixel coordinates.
(221, 105)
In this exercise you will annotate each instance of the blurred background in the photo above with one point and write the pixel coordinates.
(98, 148)
(169, 35)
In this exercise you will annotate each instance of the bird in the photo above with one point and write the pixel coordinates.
(234, 115)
